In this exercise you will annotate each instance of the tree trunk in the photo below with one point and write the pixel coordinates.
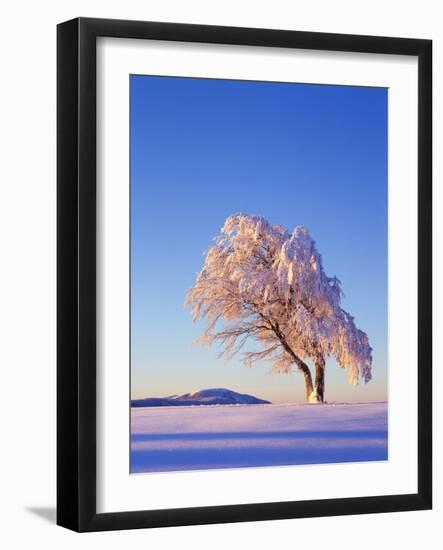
(308, 380)
(319, 387)
(302, 366)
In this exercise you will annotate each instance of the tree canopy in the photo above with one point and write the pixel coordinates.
(260, 281)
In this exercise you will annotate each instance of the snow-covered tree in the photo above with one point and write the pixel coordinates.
(261, 282)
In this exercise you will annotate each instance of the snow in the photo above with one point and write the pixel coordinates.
(239, 436)
(313, 397)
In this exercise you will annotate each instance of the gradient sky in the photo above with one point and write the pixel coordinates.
(296, 154)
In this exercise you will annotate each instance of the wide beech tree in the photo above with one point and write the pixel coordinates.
(259, 282)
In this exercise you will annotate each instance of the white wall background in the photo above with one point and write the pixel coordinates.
(27, 274)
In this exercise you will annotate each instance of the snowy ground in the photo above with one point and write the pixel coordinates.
(236, 436)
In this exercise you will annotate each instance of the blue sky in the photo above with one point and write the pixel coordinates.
(202, 150)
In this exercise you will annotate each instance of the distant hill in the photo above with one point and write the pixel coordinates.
(214, 396)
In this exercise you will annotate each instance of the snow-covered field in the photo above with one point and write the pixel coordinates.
(238, 436)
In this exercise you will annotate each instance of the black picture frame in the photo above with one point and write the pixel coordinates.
(76, 278)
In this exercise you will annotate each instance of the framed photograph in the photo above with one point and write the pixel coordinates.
(244, 274)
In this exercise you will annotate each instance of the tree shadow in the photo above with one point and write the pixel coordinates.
(288, 435)
(179, 459)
